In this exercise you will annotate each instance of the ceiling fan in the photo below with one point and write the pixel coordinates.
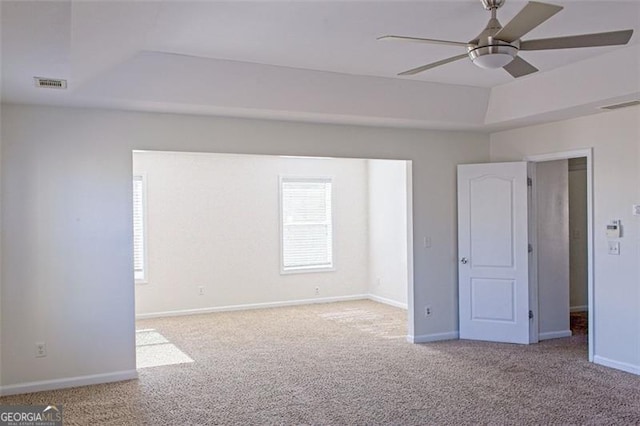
(497, 46)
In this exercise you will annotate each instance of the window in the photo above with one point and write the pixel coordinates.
(139, 229)
(307, 228)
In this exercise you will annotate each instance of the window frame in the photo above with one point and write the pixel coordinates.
(145, 247)
(307, 269)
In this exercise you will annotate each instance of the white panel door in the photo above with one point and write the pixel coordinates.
(493, 252)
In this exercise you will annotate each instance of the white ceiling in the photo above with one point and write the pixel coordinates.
(341, 36)
(91, 43)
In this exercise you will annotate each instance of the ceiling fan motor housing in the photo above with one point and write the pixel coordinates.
(492, 4)
(488, 52)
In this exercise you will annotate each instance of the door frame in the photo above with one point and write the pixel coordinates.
(566, 155)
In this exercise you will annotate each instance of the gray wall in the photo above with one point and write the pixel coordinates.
(578, 234)
(67, 267)
(552, 217)
(615, 139)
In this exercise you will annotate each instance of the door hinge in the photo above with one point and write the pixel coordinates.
(530, 248)
(529, 181)
(530, 314)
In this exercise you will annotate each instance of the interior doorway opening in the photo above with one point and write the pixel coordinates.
(563, 234)
(561, 247)
(228, 232)
(578, 247)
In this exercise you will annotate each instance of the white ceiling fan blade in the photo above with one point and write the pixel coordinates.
(519, 67)
(423, 40)
(612, 38)
(532, 15)
(433, 65)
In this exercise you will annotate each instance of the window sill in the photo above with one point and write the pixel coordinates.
(311, 270)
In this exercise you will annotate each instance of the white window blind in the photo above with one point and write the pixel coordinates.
(139, 249)
(307, 234)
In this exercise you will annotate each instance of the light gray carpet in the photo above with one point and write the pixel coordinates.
(348, 363)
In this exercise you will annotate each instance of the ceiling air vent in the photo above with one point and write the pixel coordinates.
(50, 83)
(622, 105)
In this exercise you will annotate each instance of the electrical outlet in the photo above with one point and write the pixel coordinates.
(378, 282)
(636, 209)
(317, 291)
(201, 290)
(427, 311)
(41, 349)
(614, 248)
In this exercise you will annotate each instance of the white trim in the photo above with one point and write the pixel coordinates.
(307, 269)
(250, 306)
(387, 301)
(587, 152)
(437, 337)
(411, 319)
(554, 334)
(579, 308)
(68, 382)
(624, 366)
(591, 301)
(564, 155)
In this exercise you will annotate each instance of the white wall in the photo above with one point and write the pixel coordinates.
(67, 261)
(552, 217)
(213, 221)
(578, 237)
(66, 245)
(615, 138)
(388, 278)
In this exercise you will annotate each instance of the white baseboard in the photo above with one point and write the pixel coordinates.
(426, 338)
(579, 308)
(388, 301)
(629, 368)
(252, 306)
(554, 334)
(69, 382)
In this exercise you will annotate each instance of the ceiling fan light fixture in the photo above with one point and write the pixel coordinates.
(492, 57)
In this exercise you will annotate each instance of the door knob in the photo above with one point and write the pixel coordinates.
(464, 260)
